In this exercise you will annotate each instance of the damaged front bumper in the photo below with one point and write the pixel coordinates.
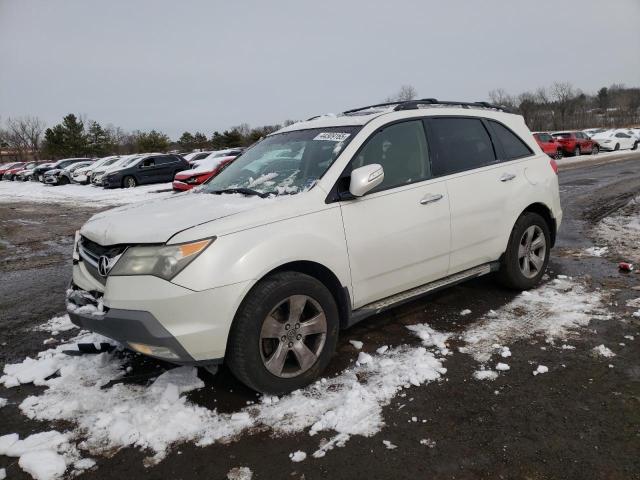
(135, 329)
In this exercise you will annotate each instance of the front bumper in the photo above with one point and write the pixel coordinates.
(144, 309)
(112, 182)
(51, 180)
(181, 186)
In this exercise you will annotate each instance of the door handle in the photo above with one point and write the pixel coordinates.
(429, 198)
(505, 177)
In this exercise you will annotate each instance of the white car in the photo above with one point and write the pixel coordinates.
(194, 156)
(617, 139)
(316, 227)
(98, 173)
(83, 175)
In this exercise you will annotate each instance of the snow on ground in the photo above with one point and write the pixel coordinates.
(240, 473)
(553, 310)
(108, 415)
(602, 157)
(86, 195)
(596, 251)
(298, 456)
(602, 351)
(621, 231)
(3, 402)
(540, 369)
(56, 325)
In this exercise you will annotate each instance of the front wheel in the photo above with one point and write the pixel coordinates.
(635, 146)
(576, 152)
(527, 255)
(284, 333)
(129, 182)
(558, 155)
(617, 147)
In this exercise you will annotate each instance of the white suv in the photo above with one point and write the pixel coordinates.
(315, 228)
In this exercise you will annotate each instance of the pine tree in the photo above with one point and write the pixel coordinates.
(186, 142)
(98, 140)
(200, 141)
(75, 139)
(152, 141)
(54, 146)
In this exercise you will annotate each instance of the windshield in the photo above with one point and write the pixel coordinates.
(289, 162)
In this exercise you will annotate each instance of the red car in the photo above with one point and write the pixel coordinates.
(12, 173)
(9, 166)
(203, 171)
(576, 143)
(549, 145)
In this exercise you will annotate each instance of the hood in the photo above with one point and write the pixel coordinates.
(53, 171)
(156, 221)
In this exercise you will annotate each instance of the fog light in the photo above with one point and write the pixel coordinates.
(154, 351)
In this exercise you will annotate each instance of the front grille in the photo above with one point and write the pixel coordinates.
(90, 252)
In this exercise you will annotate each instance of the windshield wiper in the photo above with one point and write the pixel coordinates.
(243, 191)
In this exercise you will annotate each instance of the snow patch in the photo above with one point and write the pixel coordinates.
(240, 473)
(502, 367)
(554, 310)
(298, 456)
(485, 375)
(56, 325)
(540, 369)
(3, 402)
(356, 344)
(602, 351)
(465, 312)
(389, 445)
(596, 251)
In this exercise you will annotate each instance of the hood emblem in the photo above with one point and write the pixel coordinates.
(104, 266)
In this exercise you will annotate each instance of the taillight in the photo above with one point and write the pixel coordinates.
(554, 165)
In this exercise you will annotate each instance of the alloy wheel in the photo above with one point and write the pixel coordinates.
(292, 336)
(532, 251)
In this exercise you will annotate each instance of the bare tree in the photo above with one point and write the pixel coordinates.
(563, 95)
(406, 93)
(499, 96)
(24, 134)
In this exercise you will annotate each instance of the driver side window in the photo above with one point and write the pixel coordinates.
(402, 151)
(148, 162)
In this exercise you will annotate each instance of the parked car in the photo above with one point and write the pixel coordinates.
(62, 176)
(98, 173)
(10, 173)
(153, 168)
(576, 143)
(616, 140)
(549, 145)
(27, 173)
(195, 156)
(38, 172)
(316, 227)
(9, 166)
(82, 175)
(590, 132)
(204, 169)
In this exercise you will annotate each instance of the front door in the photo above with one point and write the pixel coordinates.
(398, 234)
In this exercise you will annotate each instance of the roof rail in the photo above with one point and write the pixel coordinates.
(415, 104)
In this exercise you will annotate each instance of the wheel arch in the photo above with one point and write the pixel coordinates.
(325, 276)
(545, 212)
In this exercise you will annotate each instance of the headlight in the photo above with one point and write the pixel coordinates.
(164, 261)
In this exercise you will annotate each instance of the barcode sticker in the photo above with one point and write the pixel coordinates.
(332, 136)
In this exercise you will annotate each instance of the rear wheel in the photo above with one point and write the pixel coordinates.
(129, 182)
(527, 255)
(617, 147)
(635, 146)
(558, 154)
(576, 152)
(284, 333)
(63, 180)
(595, 150)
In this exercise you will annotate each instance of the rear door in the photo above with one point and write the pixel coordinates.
(147, 170)
(398, 234)
(482, 162)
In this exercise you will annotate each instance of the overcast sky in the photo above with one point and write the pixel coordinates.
(208, 65)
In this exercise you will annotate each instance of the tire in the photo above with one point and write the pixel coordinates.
(595, 150)
(63, 180)
(259, 332)
(617, 147)
(129, 182)
(559, 154)
(576, 152)
(512, 274)
(635, 146)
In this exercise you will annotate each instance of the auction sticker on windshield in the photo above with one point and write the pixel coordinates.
(332, 136)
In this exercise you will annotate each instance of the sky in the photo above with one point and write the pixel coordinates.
(205, 65)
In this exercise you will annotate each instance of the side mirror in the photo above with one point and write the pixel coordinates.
(365, 179)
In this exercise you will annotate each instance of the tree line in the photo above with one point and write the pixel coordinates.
(563, 106)
(560, 106)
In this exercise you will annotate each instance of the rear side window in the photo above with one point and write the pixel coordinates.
(512, 146)
(401, 149)
(459, 144)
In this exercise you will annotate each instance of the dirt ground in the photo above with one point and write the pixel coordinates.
(580, 421)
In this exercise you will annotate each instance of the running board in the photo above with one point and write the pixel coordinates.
(409, 295)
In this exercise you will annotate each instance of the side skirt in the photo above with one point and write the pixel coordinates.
(409, 295)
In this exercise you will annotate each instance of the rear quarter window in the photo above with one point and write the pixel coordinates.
(513, 146)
